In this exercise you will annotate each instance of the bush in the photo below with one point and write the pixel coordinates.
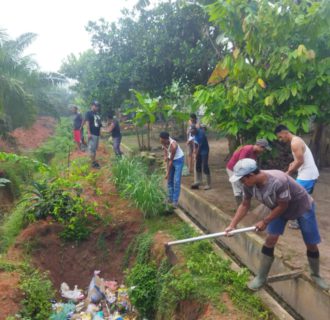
(38, 292)
(131, 177)
(60, 199)
(144, 279)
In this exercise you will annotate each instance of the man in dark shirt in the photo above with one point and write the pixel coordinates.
(287, 200)
(115, 134)
(94, 125)
(77, 122)
(201, 152)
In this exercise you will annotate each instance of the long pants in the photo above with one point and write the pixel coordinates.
(174, 180)
(237, 185)
(202, 162)
(116, 146)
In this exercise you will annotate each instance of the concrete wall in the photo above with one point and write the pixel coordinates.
(301, 294)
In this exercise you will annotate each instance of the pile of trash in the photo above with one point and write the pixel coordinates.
(105, 300)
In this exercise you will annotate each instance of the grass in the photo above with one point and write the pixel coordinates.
(204, 276)
(12, 225)
(133, 181)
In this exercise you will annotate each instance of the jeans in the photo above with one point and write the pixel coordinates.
(174, 180)
(116, 146)
(202, 161)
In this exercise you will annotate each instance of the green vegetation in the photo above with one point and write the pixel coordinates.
(276, 68)
(204, 276)
(133, 181)
(38, 292)
(59, 145)
(12, 224)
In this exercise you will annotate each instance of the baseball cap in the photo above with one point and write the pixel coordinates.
(242, 168)
(96, 103)
(263, 143)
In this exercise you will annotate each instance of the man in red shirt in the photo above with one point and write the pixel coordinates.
(249, 151)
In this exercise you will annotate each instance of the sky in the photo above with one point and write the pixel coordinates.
(60, 25)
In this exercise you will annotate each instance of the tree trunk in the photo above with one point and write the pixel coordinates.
(138, 136)
(320, 145)
(148, 136)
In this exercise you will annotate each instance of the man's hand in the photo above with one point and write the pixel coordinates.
(89, 136)
(228, 229)
(261, 225)
(166, 175)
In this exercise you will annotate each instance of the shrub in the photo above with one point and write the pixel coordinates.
(60, 199)
(38, 292)
(144, 279)
(133, 181)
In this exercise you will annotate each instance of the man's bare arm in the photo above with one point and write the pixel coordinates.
(298, 149)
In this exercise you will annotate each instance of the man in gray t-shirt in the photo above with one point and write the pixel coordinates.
(287, 200)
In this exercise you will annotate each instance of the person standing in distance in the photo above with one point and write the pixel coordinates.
(248, 151)
(190, 141)
(303, 162)
(115, 134)
(77, 122)
(174, 158)
(94, 125)
(287, 200)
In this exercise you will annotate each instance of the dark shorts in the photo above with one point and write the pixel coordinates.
(307, 223)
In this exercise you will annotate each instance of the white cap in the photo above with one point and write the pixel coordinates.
(242, 168)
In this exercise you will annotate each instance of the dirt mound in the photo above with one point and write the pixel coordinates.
(74, 263)
(30, 138)
(10, 294)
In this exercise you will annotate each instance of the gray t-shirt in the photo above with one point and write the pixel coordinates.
(281, 187)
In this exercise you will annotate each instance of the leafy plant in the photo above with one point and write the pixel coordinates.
(38, 292)
(143, 277)
(60, 199)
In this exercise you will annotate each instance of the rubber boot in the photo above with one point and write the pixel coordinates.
(198, 181)
(314, 264)
(259, 281)
(239, 200)
(208, 182)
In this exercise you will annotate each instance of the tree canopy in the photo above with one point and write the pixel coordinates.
(146, 50)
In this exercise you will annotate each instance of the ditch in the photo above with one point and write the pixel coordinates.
(122, 228)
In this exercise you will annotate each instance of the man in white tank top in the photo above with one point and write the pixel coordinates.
(174, 159)
(303, 162)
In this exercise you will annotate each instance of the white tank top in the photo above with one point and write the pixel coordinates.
(178, 154)
(308, 170)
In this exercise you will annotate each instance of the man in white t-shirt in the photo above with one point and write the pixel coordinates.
(303, 162)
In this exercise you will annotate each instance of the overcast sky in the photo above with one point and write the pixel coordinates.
(60, 25)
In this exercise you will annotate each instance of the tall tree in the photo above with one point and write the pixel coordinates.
(278, 68)
(147, 50)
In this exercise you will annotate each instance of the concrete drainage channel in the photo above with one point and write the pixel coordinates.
(294, 298)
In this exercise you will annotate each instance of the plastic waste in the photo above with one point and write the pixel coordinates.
(94, 291)
(62, 311)
(74, 295)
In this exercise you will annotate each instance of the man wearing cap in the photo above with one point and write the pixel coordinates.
(287, 200)
(94, 125)
(303, 162)
(247, 151)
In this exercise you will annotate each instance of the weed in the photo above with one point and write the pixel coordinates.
(13, 224)
(38, 292)
(133, 181)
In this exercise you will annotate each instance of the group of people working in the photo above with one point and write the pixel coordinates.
(92, 120)
(288, 199)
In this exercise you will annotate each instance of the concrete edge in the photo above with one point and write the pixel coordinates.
(266, 298)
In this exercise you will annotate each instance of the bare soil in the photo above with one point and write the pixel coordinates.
(104, 250)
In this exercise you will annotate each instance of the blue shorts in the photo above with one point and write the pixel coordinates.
(308, 185)
(307, 223)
